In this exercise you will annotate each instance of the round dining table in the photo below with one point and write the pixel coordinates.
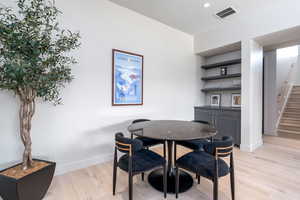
(170, 132)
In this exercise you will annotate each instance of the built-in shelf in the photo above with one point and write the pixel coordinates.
(221, 89)
(222, 64)
(221, 77)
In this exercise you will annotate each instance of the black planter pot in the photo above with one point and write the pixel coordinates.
(31, 187)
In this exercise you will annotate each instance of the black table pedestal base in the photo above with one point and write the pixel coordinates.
(155, 179)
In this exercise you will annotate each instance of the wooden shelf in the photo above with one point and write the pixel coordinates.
(221, 77)
(221, 89)
(222, 64)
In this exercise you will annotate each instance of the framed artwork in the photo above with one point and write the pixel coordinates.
(215, 100)
(236, 100)
(223, 71)
(127, 78)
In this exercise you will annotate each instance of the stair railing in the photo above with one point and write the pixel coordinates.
(284, 94)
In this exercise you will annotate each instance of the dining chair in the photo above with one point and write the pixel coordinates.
(195, 144)
(210, 165)
(136, 160)
(147, 142)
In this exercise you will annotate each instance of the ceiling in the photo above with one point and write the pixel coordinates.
(191, 17)
(280, 39)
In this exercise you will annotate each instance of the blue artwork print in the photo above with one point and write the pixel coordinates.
(128, 78)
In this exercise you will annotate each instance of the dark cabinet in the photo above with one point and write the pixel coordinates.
(226, 120)
(204, 115)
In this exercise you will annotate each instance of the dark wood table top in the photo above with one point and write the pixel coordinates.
(172, 130)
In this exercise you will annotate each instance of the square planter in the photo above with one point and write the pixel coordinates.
(33, 186)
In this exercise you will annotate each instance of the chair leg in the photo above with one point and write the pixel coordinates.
(232, 183)
(175, 152)
(177, 182)
(216, 188)
(130, 185)
(143, 176)
(114, 179)
(115, 167)
(164, 147)
(198, 177)
(165, 181)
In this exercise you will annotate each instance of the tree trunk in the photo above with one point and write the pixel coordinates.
(27, 110)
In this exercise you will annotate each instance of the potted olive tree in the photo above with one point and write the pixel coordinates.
(34, 63)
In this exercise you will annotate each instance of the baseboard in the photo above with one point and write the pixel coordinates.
(76, 165)
(251, 147)
(271, 133)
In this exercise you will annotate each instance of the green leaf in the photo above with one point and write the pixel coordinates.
(34, 49)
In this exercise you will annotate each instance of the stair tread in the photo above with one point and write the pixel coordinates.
(288, 131)
(292, 112)
(291, 119)
(290, 125)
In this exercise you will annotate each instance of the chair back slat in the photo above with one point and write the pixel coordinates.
(127, 145)
(220, 147)
(224, 151)
(123, 144)
(123, 147)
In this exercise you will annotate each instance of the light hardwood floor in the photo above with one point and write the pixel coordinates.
(272, 172)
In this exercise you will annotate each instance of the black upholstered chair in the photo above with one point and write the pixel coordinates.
(195, 144)
(147, 142)
(136, 160)
(210, 163)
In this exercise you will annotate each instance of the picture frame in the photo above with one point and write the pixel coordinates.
(223, 71)
(236, 100)
(215, 100)
(127, 78)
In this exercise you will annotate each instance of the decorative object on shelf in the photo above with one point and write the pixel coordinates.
(35, 63)
(223, 71)
(236, 100)
(215, 100)
(127, 78)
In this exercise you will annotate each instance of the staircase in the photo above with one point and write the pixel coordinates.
(290, 120)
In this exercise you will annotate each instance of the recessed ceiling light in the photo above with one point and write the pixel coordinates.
(206, 5)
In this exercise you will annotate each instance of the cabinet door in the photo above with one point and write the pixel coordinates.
(228, 124)
(203, 115)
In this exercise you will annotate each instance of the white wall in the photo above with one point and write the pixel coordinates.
(270, 93)
(251, 115)
(283, 69)
(297, 73)
(81, 131)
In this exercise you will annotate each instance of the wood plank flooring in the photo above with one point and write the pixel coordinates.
(272, 172)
